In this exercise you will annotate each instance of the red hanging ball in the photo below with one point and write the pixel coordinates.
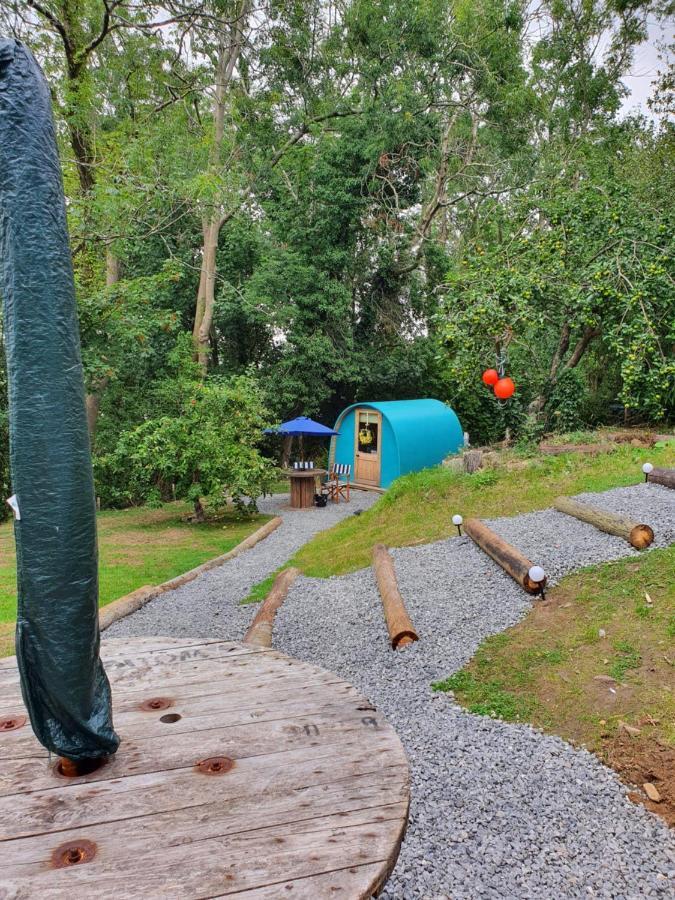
(490, 377)
(505, 388)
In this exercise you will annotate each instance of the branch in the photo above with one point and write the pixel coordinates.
(563, 347)
(58, 25)
(105, 28)
(588, 335)
(297, 136)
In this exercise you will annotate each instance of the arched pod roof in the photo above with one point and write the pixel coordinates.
(424, 432)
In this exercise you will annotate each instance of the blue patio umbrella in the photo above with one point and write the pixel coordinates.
(302, 426)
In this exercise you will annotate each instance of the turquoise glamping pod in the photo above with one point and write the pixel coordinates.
(381, 441)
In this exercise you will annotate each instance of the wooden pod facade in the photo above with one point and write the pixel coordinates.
(666, 477)
(637, 534)
(511, 560)
(399, 626)
(259, 633)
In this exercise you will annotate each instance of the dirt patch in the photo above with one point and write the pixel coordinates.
(634, 437)
(589, 449)
(645, 760)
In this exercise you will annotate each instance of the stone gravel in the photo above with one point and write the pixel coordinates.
(498, 810)
(209, 605)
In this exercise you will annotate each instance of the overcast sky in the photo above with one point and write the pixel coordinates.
(645, 67)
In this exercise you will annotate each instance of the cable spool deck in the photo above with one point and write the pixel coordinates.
(253, 774)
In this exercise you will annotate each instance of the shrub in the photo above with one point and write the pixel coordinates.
(205, 449)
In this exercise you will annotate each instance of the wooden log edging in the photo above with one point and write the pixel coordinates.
(511, 560)
(260, 630)
(666, 477)
(401, 630)
(637, 534)
(132, 602)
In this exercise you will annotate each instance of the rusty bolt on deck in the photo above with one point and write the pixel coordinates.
(11, 723)
(215, 765)
(155, 703)
(73, 853)
(77, 768)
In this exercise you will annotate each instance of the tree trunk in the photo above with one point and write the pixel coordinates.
(286, 451)
(589, 333)
(200, 514)
(638, 535)
(112, 268)
(511, 560)
(400, 628)
(93, 399)
(228, 54)
(93, 406)
(209, 250)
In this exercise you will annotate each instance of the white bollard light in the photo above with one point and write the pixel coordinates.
(537, 574)
(647, 469)
(457, 520)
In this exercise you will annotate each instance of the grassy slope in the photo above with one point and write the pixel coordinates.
(418, 508)
(136, 547)
(594, 664)
(544, 670)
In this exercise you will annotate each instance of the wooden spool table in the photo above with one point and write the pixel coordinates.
(303, 486)
(241, 772)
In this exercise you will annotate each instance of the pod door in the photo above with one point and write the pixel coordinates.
(367, 451)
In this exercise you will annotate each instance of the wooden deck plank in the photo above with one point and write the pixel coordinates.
(312, 703)
(370, 795)
(227, 865)
(150, 753)
(216, 710)
(339, 884)
(314, 803)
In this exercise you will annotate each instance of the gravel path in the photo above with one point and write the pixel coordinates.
(498, 810)
(209, 605)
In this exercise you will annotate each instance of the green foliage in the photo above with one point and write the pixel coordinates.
(485, 698)
(566, 402)
(584, 255)
(129, 326)
(400, 185)
(204, 445)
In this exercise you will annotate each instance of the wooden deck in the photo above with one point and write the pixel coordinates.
(241, 772)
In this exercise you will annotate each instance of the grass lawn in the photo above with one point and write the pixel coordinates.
(136, 547)
(418, 507)
(600, 652)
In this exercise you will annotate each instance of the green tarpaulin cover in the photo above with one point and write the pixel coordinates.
(64, 685)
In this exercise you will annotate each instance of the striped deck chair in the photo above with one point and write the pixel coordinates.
(338, 482)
